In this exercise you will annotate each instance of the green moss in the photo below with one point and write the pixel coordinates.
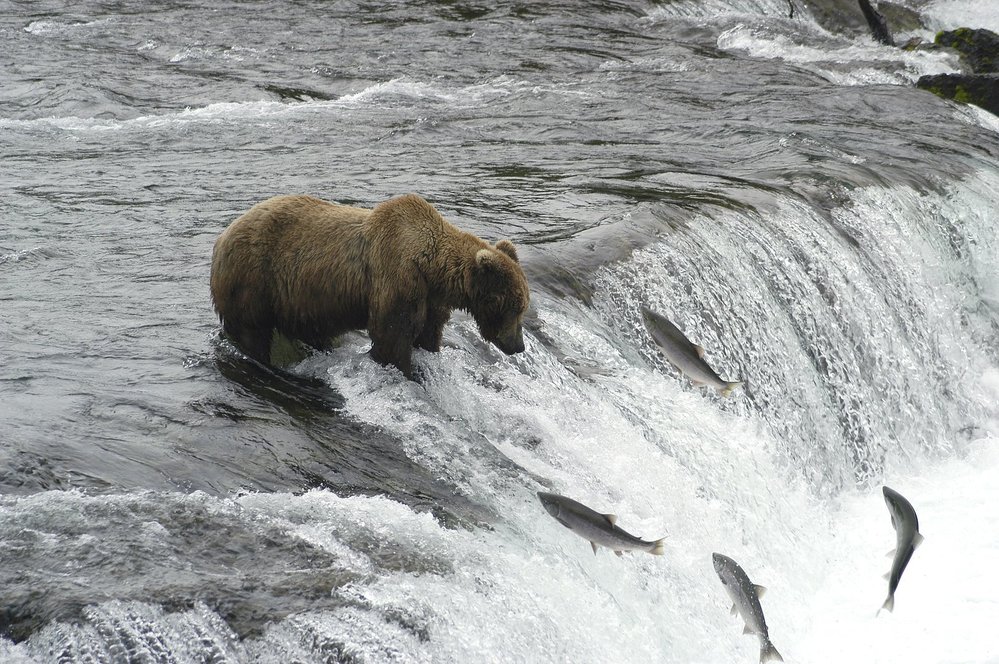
(958, 93)
(959, 39)
(962, 95)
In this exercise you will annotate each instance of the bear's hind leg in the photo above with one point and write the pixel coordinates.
(255, 342)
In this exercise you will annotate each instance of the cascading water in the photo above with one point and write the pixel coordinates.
(829, 241)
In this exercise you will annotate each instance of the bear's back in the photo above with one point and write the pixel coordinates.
(298, 218)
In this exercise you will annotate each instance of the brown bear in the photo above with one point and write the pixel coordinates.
(313, 270)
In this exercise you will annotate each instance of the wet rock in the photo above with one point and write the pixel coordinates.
(978, 83)
(838, 16)
(979, 48)
(847, 16)
(978, 89)
(900, 18)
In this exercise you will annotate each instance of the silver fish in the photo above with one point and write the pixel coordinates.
(686, 356)
(746, 602)
(599, 529)
(907, 538)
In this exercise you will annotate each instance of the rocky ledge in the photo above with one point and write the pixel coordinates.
(979, 50)
(978, 89)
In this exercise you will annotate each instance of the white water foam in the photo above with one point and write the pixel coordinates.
(839, 60)
(44, 28)
(627, 442)
(458, 97)
(655, 64)
(951, 14)
(202, 52)
(715, 8)
(666, 460)
(594, 413)
(977, 116)
(535, 593)
(401, 92)
(30, 254)
(627, 439)
(948, 598)
(625, 436)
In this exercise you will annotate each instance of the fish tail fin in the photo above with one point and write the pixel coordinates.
(768, 653)
(727, 390)
(889, 603)
(657, 547)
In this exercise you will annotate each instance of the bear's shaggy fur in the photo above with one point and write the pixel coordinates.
(313, 270)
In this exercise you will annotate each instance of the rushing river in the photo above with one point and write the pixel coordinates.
(784, 193)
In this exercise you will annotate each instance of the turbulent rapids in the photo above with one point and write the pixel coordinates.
(778, 187)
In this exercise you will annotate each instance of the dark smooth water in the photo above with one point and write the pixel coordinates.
(138, 449)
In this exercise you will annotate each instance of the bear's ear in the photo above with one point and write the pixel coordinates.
(485, 258)
(507, 248)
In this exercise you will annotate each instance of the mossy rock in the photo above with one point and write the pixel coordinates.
(978, 89)
(979, 48)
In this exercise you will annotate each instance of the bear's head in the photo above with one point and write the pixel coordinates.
(498, 296)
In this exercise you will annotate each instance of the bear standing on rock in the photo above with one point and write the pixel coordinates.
(313, 270)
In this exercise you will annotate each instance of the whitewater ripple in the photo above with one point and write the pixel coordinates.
(399, 92)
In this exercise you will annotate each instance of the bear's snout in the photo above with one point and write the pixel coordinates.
(512, 343)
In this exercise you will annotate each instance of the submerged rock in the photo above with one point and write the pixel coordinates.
(979, 48)
(901, 18)
(978, 89)
(838, 16)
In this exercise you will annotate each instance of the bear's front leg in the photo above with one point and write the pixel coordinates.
(389, 353)
(433, 328)
(393, 328)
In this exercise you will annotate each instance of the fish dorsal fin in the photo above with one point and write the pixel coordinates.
(917, 540)
(760, 590)
(699, 350)
(735, 609)
(594, 545)
(611, 518)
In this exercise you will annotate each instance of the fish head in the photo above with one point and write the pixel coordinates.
(895, 502)
(658, 327)
(649, 318)
(550, 501)
(722, 564)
